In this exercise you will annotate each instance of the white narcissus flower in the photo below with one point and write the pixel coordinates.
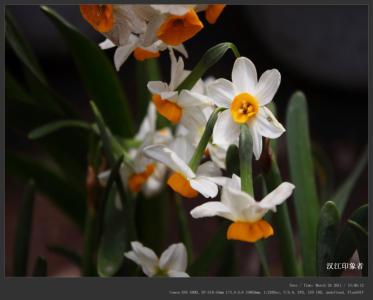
(245, 99)
(146, 175)
(172, 263)
(242, 209)
(183, 180)
(186, 107)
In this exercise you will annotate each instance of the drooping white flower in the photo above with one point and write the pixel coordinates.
(185, 107)
(172, 263)
(145, 30)
(184, 180)
(145, 174)
(242, 209)
(245, 99)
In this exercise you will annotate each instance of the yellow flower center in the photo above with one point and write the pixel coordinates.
(244, 107)
(170, 110)
(175, 30)
(99, 16)
(181, 185)
(142, 54)
(213, 12)
(249, 232)
(137, 180)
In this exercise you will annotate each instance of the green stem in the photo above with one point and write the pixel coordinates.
(282, 221)
(246, 153)
(184, 229)
(90, 239)
(206, 136)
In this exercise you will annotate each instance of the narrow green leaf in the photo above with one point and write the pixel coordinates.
(68, 254)
(212, 251)
(346, 245)
(210, 58)
(91, 230)
(232, 161)
(114, 238)
(184, 231)
(303, 177)
(324, 172)
(16, 40)
(23, 232)
(147, 70)
(206, 136)
(98, 76)
(361, 240)
(281, 218)
(327, 231)
(49, 128)
(59, 190)
(343, 193)
(40, 267)
(151, 216)
(246, 155)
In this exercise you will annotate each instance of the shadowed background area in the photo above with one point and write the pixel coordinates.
(321, 50)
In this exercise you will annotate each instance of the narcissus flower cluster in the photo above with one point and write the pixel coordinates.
(189, 155)
(145, 30)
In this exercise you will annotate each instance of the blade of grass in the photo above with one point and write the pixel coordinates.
(23, 232)
(40, 267)
(327, 231)
(302, 175)
(343, 193)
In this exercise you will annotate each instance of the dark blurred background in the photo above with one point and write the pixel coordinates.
(321, 50)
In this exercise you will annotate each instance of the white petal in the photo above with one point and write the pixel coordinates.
(103, 177)
(218, 155)
(150, 36)
(144, 257)
(188, 99)
(169, 158)
(236, 200)
(244, 75)
(204, 186)
(221, 92)
(257, 140)
(180, 48)
(267, 124)
(148, 124)
(226, 131)
(212, 209)
(107, 44)
(177, 70)
(174, 258)
(277, 196)
(183, 148)
(121, 54)
(267, 86)
(172, 273)
(157, 87)
(175, 9)
(209, 169)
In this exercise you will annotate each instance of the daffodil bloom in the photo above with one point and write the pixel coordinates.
(172, 263)
(184, 180)
(144, 175)
(139, 51)
(245, 213)
(185, 107)
(245, 99)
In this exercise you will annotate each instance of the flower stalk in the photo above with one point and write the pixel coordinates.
(200, 150)
(246, 153)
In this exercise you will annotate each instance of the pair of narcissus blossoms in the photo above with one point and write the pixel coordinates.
(145, 30)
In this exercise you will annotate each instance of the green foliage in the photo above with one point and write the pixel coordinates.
(98, 76)
(210, 58)
(40, 268)
(23, 232)
(326, 237)
(303, 177)
(68, 254)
